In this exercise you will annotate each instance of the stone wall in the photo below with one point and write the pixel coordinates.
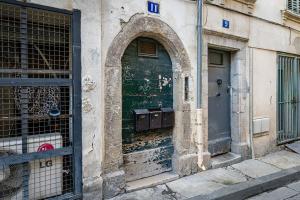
(257, 32)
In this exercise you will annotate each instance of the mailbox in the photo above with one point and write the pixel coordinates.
(141, 117)
(155, 119)
(168, 117)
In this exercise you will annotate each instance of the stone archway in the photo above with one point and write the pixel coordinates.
(185, 156)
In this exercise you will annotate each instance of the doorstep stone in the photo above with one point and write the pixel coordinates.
(225, 160)
(150, 181)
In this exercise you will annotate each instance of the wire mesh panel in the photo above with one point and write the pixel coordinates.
(288, 99)
(36, 103)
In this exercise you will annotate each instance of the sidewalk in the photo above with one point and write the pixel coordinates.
(288, 192)
(269, 172)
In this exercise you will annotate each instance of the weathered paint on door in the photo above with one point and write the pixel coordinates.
(288, 99)
(147, 83)
(219, 137)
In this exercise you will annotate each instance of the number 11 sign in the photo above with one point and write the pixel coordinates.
(153, 7)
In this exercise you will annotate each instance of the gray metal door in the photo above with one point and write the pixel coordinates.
(288, 98)
(219, 139)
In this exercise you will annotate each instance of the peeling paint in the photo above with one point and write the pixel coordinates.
(86, 105)
(88, 84)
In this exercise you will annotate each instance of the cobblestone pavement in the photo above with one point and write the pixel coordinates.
(288, 192)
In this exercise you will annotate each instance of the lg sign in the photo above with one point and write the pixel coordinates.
(45, 147)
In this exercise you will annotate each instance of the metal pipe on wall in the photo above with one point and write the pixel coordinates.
(199, 135)
(199, 54)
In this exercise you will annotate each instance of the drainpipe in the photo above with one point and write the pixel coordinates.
(199, 135)
(199, 54)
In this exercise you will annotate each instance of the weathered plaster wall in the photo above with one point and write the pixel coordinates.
(180, 15)
(92, 108)
(102, 20)
(122, 21)
(267, 34)
(264, 97)
(269, 10)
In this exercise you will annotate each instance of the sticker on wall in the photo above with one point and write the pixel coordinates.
(226, 24)
(153, 7)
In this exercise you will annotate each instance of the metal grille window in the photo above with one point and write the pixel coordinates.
(294, 6)
(288, 108)
(39, 96)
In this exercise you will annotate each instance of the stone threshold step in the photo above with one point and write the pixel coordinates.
(225, 160)
(150, 181)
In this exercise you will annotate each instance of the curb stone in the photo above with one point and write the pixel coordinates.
(251, 188)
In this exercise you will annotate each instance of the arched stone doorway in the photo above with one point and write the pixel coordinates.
(185, 157)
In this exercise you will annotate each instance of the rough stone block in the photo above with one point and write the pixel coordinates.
(186, 164)
(113, 184)
(92, 188)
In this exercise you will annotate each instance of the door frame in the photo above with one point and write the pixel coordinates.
(241, 93)
(130, 168)
(185, 155)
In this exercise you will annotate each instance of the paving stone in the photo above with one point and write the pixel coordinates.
(282, 159)
(205, 182)
(295, 186)
(278, 194)
(160, 192)
(297, 197)
(255, 168)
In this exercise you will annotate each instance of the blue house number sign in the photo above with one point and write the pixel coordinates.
(153, 7)
(226, 23)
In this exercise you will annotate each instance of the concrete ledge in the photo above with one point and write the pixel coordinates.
(250, 188)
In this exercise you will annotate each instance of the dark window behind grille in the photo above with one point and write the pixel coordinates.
(37, 87)
(294, 6)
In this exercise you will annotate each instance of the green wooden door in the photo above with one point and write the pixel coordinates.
(147, 83)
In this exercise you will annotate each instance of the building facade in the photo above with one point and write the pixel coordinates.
(139, 84)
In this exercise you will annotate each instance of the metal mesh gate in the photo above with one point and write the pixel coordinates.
(39, 96)
(288, 99)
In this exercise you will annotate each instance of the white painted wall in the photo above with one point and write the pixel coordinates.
(264, 96)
